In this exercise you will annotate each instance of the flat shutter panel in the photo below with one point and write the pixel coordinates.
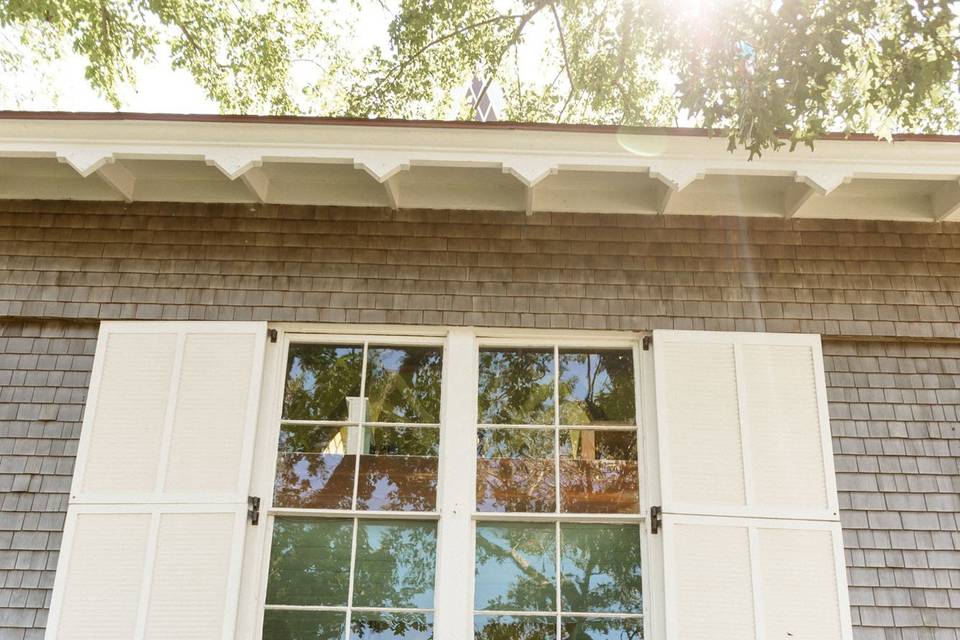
(751, 538)
(155, 528)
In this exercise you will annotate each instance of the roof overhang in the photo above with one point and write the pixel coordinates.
(475, 167)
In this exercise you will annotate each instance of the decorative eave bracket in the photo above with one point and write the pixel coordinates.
(530, 172)
(105, 167)
(946, 201)
(674, 176)
(812, 185)
(247, 168)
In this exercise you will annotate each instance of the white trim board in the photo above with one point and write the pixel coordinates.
(479, 169)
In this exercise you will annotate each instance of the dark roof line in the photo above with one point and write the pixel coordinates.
(433, 124)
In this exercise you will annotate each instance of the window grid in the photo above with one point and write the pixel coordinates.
(557, 426)
(354, 513)
(557, 516)
(353, 561)
(457, 398)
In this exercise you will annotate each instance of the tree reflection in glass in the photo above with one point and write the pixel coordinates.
(516, 386)
(599, 572)
(398, 469)
(600, 568)
(403, 384)
(395, 564)
(597, 387)
(288, 624)
(515, 567)
(598, 471)
(313, 468)
(310, 562)
(320, 378)
(391, 626)
(576, 628)
(515, 470)
(514, 628)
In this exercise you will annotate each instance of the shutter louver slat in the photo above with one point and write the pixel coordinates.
(705, 424)
(722, 594)
(190, 544)
(752, 545)
(106, 576)
(154, 534)
(784, 427)
(802, 600)
(127, 388)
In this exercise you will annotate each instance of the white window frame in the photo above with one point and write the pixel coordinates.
(556, 342)
(456, 513)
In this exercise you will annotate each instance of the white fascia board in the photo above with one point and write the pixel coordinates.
(529, 155)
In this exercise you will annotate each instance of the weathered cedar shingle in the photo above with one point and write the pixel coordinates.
(44, 370)
(197, 261)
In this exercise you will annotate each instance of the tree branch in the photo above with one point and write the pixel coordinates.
(402, 65)
(566, 60)
(510, 43)
(196, 45)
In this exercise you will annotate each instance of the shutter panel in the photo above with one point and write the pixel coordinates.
(751, 538)
(154, 534)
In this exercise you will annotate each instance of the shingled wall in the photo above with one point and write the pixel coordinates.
(237, 262)
(886, 295)
(44, 373)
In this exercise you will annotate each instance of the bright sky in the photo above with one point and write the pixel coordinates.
(160, 90)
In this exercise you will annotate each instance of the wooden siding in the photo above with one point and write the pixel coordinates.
(893, 402)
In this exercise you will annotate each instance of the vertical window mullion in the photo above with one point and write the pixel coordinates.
(353, 570)
(457, 482)
(556, 425)
(359, 427)
(559, 607)
(556, 471)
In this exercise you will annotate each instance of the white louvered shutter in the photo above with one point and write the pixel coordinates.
(154, 533)
(751, 532)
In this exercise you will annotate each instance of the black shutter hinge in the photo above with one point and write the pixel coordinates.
(646, 342)
(253, 510)
(272, 334)
(656, 519)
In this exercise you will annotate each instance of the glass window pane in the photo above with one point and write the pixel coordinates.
(514, 628)
(515, 567)
(398, 469)
(395, 565)
(516, 470)
(310, 562)
(601, 628)
(403, 384)
(598, 471)
(600, 568)
(302, 625)
(314, 470)
(597, 387)
(320, 378)
(391, 626)
(516, 386)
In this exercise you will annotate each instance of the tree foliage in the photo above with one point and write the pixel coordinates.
(763, 72)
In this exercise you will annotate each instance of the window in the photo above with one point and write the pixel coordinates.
(558, 537)
(357, 449)
(510, 510)
(355, 515)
